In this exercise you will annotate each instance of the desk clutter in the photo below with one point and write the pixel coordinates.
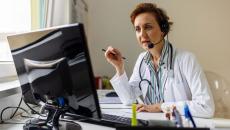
(174, 118)
(102, 82)
(172, 114)
(157, 128)
(174, 121)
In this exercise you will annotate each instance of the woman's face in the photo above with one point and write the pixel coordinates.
(147, 29)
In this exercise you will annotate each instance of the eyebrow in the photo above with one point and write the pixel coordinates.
(148, 24)
(144, 24)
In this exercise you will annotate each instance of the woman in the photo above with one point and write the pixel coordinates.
(163, 76)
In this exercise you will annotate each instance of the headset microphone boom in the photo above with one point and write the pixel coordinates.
(152, 44)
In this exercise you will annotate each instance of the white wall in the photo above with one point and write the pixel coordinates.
(200, 26)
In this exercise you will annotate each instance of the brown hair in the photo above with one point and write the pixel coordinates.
(160, 15)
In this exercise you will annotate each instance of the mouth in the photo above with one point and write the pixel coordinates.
(145, 43)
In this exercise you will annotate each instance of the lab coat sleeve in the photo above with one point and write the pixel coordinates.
(128, 90)
(202, 104)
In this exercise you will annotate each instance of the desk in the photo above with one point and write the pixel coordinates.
(126, 111)
(122, 110)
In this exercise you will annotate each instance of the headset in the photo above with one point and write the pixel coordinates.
(164, 26)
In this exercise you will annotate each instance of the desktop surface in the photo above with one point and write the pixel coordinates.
(158, 128)
(88, 126)
(122, 110)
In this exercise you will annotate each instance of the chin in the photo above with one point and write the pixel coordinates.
(145, 48)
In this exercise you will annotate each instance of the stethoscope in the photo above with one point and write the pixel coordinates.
(170, 73)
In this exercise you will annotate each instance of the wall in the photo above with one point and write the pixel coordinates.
(200, 26)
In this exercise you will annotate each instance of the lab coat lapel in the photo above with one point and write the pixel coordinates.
(164, 79)
(144, 86)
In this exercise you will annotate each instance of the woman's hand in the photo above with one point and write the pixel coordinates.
(114, 57)
(149, 108)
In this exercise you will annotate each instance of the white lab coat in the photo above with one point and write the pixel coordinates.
(188, 84)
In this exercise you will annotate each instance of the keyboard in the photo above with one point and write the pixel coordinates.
(107, 120)
(121, 121)
(116, 119)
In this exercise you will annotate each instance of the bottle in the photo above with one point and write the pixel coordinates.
(134, 115)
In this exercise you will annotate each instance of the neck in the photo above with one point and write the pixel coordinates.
(156, 51)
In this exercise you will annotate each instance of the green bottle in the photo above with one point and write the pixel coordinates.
(134, 115)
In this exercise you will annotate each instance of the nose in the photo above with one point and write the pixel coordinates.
(143, 33)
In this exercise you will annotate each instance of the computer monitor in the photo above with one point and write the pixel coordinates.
(50, 44)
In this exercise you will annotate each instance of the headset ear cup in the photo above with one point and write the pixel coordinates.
(165, 27)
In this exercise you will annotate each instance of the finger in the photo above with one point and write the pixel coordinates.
(139, 106)
(110, 51)
(112, 56)
(114, 50)
(142, 109)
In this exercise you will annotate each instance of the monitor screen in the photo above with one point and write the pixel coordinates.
(50, 44)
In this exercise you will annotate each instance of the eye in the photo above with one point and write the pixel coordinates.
(137, 29)
(148, 27)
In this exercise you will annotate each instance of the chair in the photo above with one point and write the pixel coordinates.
(221, 93)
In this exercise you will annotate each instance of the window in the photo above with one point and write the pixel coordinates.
(15, 17)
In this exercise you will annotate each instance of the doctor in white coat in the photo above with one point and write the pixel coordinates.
(163, 75)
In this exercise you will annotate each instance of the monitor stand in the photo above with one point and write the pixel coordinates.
(52, 122)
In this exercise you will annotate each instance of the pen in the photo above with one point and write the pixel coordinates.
(113, 54)
(188, 115)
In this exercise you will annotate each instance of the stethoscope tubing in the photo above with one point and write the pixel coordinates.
(149, 83)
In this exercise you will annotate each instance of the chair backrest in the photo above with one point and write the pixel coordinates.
(221, 93)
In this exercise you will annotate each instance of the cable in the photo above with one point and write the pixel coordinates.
(34, 111)
(17, 108)
(26, 116)
(50, 122)
(9, 108)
